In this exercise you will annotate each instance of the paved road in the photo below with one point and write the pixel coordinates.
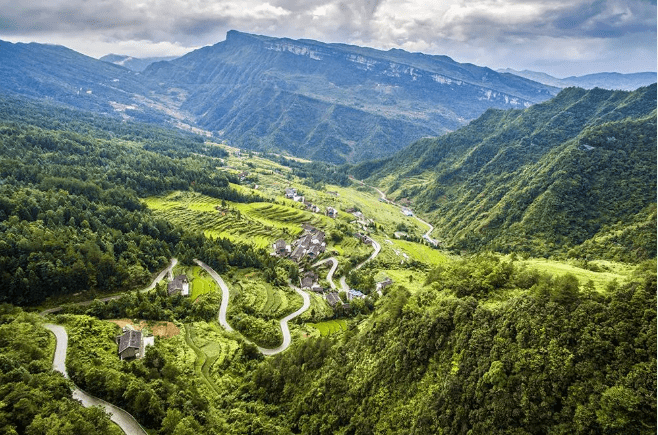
(427, 236)
(123, 419)
(377, 247)
(160, 277)
(223, 307)
(283, 322)
(157, 279)
(330, 275)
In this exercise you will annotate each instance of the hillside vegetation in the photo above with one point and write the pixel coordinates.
(573, 176)
(550, 356)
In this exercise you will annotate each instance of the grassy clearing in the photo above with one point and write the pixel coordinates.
(617, 271)
(418, 252)
(159, 329)
(330, 327)
(412, 280)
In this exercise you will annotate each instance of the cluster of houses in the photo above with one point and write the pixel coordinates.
(309, 281)
(311, 244)
(291, 193)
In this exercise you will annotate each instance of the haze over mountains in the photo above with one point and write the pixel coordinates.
(329, 102)
(134, 63)
(608, 80)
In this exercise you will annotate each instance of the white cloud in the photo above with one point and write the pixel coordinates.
(490, 32)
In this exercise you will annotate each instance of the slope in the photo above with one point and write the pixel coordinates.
(333, 102)
(542, 180)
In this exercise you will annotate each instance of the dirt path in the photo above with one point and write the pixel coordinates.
(283, 322)
(123, 419)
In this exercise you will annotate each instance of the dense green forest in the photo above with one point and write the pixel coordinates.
(580, 168)
(70, 215)
(487, 347)
(36, 400)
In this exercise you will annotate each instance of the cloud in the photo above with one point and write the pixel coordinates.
(475, 31)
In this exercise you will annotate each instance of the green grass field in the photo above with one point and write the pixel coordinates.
(617, 271)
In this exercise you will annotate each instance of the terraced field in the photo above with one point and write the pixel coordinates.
(330, 327)
(213, 351)
(259, 298)
(198, 213)
(259, 223)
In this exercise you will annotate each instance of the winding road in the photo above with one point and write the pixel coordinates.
(330, 275)
(223, 307)
(156, 280)
(123, 419)
(427, 236)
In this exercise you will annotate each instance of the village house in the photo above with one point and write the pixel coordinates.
(311, 243)
(333, 299)
(281, 248)
(354, 294)
(383, 284)
(179, 285)
(133, 344)
(291, 192)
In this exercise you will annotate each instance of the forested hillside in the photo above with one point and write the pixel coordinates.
(580, 168)
(70, 215)
(487, 347)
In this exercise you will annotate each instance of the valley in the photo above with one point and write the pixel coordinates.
(499, 276)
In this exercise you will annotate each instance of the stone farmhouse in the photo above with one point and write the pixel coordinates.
(179, 285)
(132, 344)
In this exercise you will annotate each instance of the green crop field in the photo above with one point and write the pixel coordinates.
(252, 294)
(329, 327)
(200, 282)
(412, 280)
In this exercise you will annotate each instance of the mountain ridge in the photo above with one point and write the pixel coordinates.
(605, 80)
(332, 102)
(544, 180)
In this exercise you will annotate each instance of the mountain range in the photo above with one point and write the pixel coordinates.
(330, 102)
(607, 80)
(134, 63)
(576, 171)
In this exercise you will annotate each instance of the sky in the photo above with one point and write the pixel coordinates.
(559, 37)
